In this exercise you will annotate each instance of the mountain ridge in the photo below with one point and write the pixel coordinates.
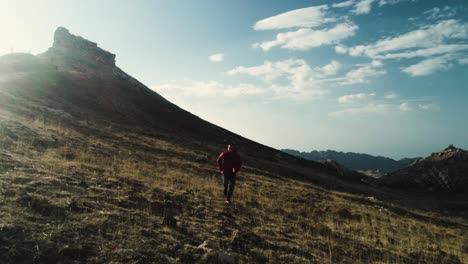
(355, 161)
(443, 171)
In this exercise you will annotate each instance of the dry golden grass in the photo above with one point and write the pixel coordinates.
(146, 200)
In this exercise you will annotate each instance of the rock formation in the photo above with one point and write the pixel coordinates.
(76, 52)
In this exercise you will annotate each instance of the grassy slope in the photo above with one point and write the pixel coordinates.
(74, 191)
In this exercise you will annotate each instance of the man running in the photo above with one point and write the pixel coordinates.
(229, 164)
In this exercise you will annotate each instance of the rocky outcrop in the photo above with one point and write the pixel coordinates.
(444, 171)
(76, 52)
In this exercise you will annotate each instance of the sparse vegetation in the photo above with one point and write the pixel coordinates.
(73, 196)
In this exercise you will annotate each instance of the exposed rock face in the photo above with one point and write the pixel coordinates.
(444, 171)
(77, 52)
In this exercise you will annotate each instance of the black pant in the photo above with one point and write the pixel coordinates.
(229, 181)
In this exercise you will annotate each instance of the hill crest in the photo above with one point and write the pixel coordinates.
(443, 171)
(74, 51)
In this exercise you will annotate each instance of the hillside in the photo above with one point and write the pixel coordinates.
(443, 171)
(355, 161)
(95, 167)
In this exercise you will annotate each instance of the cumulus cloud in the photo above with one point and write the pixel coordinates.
(384, 108)
(363, 7)
(303, 77)
(405, 107)
(343, 4)
(354, 98)
(297, 71)
(363, 73)
(341, 49)
(306, 38)
(371, 108)
(429, 107)
(440, 44)
(463, 61)
(269, 71)
(216, 57)
(370, 104)
(428, 36)
(438, 13)
(438, 50)
(429, 66)
(305, 17)
(303, 81)
(330, 69)
(392, 2)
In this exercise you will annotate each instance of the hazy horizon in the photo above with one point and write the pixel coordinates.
(381, 77)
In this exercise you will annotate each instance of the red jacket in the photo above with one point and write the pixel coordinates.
(229, 162)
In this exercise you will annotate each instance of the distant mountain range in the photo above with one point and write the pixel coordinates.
(355, 161)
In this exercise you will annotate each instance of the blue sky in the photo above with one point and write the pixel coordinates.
(383, 77)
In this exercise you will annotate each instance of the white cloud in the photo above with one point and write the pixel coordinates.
(438, 50)
(296, 71)
(371, 108)
(302, 80)
(363, 73)
(429, 107)
(429, 66)
(210, 89)
(391, 95)
(463, 61)
(392, 2)
(376, 63)
(405, 107)
(341, 49)
(216, 57)
(428, 36)
(300, 84)
(363, 7)
(330, 69)
(305, 17)
(354, 98)
(343, 4)
(207, 90)
(369, 104)
(426, 42)
(306, 92)
(306, 38)
(438, 13)
(293, 69)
